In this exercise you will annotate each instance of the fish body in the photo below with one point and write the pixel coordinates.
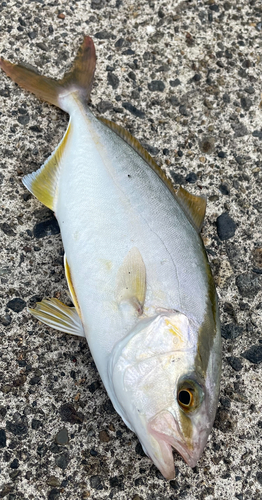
(137, 271)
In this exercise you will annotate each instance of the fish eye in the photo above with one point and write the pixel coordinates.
(185, 398)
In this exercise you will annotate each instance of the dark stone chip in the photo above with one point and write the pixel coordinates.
(156, 86)
(112, 79)
(231, 331)
(18, 427)
(174, 485)
(119, 43)
(253, 354)
(214, 7)
(35, 424)
(246, 103)
(132, 109)
(46, 228)
(197, 77)
(165, 151)
(2, 438)
(96, 482)
(257, 133)
(23, 119)
(104, 106)
(223, 188)
(6, 228)
(17, 305)
(14, 464)
(94, 386)
(183, 110)
(132, 75)
(235, 363)
(54, 448)
(103, 35)
(62, 461)
(191, 178)
(223, 421)
(54, 494)
(116, 481)
(62, 437)
(178, 178)
(221, 154)
(36, 129)
(250, 90)
(128, 52)
(139, 450)
(69, 414)
(226, 227)
(97, 4)
(174, 100)
(5, 320)
(175, 83)
(240, 129)
(42, 46)
(207, 145)
(180, 153)
(259, 477)
(108, 407)
(35, 380)
(226, 98)
(248, 284)
(5, 92)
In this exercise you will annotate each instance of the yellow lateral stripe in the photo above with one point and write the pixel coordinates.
(71, 286)
(44, 182)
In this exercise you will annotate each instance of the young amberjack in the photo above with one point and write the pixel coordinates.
(136, 268)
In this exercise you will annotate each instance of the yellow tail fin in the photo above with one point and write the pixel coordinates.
(79, 79)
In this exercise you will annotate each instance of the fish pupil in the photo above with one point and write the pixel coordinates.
(184, 398)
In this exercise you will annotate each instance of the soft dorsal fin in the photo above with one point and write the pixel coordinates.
(193, 206)
(54, 313)
(135, 144)
(44, 182)
(71, 286)
(131, 280)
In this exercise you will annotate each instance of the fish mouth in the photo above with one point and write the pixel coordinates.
(165, 436)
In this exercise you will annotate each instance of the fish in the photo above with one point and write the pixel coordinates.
(142, 289)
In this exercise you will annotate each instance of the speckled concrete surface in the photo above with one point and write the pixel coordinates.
(185, 79)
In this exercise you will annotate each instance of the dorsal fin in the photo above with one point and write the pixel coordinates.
(135, 144)
(193, 206)
(131, 280)
(44, 182)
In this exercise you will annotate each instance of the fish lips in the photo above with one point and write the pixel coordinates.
(164, 429)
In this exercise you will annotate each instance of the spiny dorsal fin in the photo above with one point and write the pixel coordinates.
(131, 280)
(54, 313)
(44, 182)
(71, 286)
(193, 206)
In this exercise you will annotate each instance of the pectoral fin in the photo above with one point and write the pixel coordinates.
(54, 313)
(131, 280)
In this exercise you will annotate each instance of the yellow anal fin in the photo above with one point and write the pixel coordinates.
(71, 286)
(131, 280)
(44, 182)
(193, 206)
(54, 313)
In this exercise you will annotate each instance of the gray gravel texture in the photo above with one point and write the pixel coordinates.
(185, 79)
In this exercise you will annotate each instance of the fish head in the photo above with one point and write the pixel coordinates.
(162, 392)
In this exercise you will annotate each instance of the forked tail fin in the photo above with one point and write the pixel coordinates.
(79, 79)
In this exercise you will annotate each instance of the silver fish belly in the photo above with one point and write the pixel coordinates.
(137, 270)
